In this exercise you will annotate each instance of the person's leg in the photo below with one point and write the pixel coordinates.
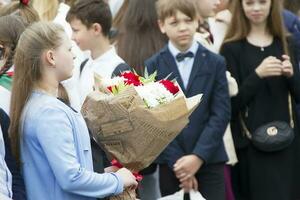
(228, 185)
(149, 187)
(211, 181)
(168, 182)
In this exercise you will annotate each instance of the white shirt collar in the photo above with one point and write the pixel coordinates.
(174, 51)
(106, 56)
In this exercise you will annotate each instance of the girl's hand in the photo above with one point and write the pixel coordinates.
(128, 178)
(287, 67)
(270, 66)
(111, 169)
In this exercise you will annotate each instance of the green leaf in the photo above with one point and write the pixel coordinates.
(148, 78)
(146, 74)
(114, 90)
(153, 76)
(122, 87)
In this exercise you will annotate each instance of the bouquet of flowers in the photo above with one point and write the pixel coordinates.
(134, 118)
(153, 93)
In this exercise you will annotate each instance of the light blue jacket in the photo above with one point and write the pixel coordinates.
(56, 154)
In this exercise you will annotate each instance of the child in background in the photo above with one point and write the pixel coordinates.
(196, 158)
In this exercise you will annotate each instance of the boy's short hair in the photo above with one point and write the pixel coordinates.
(90, 12)
(167, 8)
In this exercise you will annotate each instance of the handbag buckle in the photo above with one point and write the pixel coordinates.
(272, 131)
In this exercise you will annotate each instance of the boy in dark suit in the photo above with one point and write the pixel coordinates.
(195, 159)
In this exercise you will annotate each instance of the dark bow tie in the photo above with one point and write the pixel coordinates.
(181, 56)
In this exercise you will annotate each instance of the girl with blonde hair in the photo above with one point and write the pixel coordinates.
(50, 139)
(22, 9)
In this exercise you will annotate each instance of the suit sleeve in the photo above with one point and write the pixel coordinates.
(150, 66)
(121, 68)
(212, 135)
(18, 186)
(55, 136)
(294, 81)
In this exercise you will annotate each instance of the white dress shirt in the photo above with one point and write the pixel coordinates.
(185, 66)
(115, 6)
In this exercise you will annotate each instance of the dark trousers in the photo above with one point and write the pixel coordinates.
(210, 180)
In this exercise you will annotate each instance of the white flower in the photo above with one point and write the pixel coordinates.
(106, 82)
(154, 94)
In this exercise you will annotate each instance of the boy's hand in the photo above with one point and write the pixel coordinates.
(287, 67)
(187, 166)
(189, 184)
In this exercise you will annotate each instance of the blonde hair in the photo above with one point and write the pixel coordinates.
(27, 12)
(47, 9)
(167, 8)
(33, 42)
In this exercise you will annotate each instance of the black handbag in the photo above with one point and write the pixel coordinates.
(273, 136)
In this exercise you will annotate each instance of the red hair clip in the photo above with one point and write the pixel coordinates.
(24, 2)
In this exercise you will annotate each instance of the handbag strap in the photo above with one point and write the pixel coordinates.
(246, 130)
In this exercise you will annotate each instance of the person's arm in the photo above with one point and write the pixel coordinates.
(55, 136)
(18, 186)
(294, 80)
(120, 69)
(212, 135)
(246, 89)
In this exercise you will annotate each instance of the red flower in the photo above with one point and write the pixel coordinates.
(116, 163)
(131, 78)
(24, 2)
(10, 74)
(110, 88)
(170, 86)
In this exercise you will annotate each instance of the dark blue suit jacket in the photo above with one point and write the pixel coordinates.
(203, 135)
(292, 24)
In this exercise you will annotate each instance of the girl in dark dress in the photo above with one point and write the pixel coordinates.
(262, 61)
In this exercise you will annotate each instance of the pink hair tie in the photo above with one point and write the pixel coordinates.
(24, 2)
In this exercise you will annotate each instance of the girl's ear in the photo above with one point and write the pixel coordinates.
(49, 58)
